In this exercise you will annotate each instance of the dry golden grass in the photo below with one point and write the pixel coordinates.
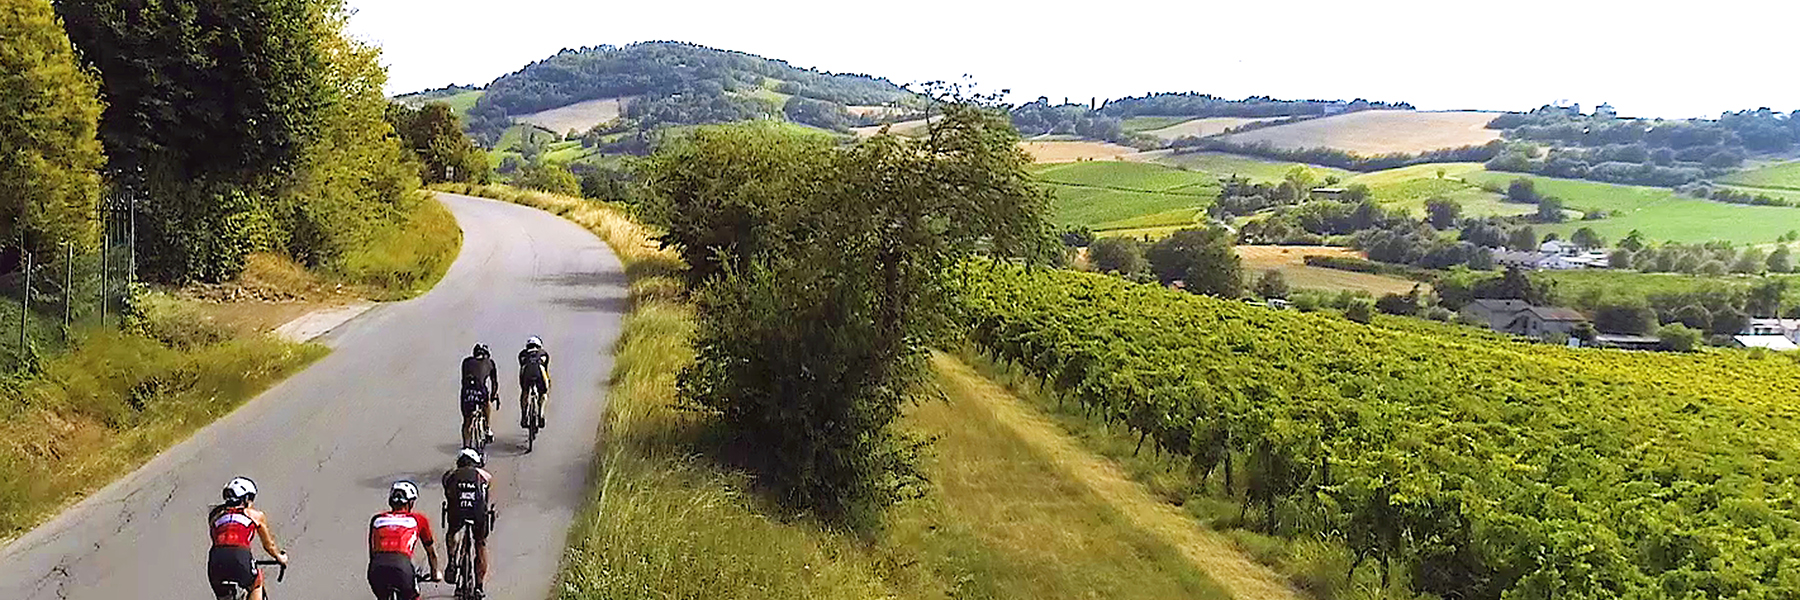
(1206, 550)
(1201, 127)
(1373, 132)
(580, 116)
(1289, 260)
(1059, 151)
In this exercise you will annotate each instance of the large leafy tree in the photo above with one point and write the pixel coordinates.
(435, 136)
(1202, 258)
(823, 273)
(49, 153)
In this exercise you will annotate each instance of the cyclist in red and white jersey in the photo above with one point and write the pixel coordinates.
(231, 526)
(392, 535)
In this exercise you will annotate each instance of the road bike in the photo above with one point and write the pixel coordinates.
(534, 410)
(474, 436)
(235, 592)
(461, 567)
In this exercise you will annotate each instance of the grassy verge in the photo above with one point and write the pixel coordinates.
(98, 410)
(1318, 567)
(406, 257)
(664, 521)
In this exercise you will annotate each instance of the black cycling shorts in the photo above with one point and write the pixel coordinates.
(392, 577)
(533, 383)
(472, 401)
(455, 524)
(230, 564)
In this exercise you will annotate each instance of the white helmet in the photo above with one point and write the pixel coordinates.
(468, 456)
(240, 491)
(402, 492)
(534, 341)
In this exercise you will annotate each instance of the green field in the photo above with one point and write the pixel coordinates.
(1613, 285)
(1416, 172)
(1659, 213)
(461, 103)
(1780, 175)
(1142, 124)
(1106, 195)
(1255, 169)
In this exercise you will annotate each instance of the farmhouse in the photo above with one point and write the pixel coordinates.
(1521, 318)
(1774, 334)
(1627, 342)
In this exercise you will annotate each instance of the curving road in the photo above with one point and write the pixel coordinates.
(324, 445)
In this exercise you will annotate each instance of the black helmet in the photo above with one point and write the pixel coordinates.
(480, 351)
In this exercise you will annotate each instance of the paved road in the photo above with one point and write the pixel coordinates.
(324, 445)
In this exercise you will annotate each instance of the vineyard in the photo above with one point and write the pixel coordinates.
(1471, 468)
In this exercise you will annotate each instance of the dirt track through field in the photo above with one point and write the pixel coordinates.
(1211, 552)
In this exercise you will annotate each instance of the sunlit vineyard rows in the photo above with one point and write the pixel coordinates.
(1474, 468)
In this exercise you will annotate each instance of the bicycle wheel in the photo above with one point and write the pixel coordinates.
(465, 586)
(535, 405)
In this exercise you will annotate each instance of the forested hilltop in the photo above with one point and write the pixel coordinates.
(678, 83)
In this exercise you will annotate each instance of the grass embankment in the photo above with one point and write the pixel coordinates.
(664, 521)
(407, 256)
(114, 399)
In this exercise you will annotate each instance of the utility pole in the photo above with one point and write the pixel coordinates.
(68, 287)
(105, 249)
(25, 312)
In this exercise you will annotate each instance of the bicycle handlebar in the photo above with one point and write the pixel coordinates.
(279, 575)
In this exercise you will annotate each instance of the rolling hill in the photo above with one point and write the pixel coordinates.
(1376, 132)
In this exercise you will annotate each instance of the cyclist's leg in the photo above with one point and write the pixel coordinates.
(543, 396)
(524, 398)
(481, 551)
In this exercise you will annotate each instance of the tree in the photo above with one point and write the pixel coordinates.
(1630, 318)
(1522, 191)
(1752, 260)
(1587, 238)
(550, 177)
(1272, 284)
(1302, 178)
(1356, 192)
(1713, 267)
(1694, 316)
(1202, 257)
(1621, 259)
(1764, 299)
(1398, 304)
(1442, 213)
(824, 276)
(1361, 310)
(1550, 210)
(1676, 337)
(1523, 239)
(49, 153)
(1121, 255)
(1077, 236)
(1781, 260)
(435, 136)
(1633, 241)
(1729, 321)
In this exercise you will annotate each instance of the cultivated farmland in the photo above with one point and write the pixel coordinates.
(1105, 195)
(1659, 213)
(1255, 169)
(1781, 175)
(1290, 261)
(580, 116)
(1069, 151)
(1375, 132)
(1201, 127)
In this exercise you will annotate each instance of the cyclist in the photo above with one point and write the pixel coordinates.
(466, 499)
(534, 374)
(480, 388)
(391, 538)
(230, 526)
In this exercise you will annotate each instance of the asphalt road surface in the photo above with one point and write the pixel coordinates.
(324, 445)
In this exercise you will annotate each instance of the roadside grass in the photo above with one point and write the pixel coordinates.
(1224, 165)
(665, 521)
(407, 256)
(97, 411)
(1319, 568)
(1780, 176)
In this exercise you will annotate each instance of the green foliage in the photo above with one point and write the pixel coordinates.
(1272, 284)
(1360, 310)
(1781, 260)
(550, 177)
(1477, 470)
(434, 135)
(1120, 255)
(49, 155)
(1677, 337)
(1204, 259)
(822, 277)
(1442, 213)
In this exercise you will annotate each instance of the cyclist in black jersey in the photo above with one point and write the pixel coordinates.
(466, 500)
(534, 374)
(480, 388)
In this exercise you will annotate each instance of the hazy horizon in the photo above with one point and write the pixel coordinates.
(1658, 62)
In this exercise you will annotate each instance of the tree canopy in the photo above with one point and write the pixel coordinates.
(49, 150)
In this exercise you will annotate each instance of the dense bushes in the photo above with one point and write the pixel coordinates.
(49, 155)
(820, 273)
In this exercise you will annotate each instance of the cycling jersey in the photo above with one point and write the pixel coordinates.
(466, 491)
(232, 527)
(395, 531)
(479, 374)
(534, 364)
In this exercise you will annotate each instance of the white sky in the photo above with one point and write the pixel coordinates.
(1648, 58)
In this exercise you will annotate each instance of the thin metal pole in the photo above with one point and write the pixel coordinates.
(68, 287)
(132, 276)
(25, 311)
(105, 249)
